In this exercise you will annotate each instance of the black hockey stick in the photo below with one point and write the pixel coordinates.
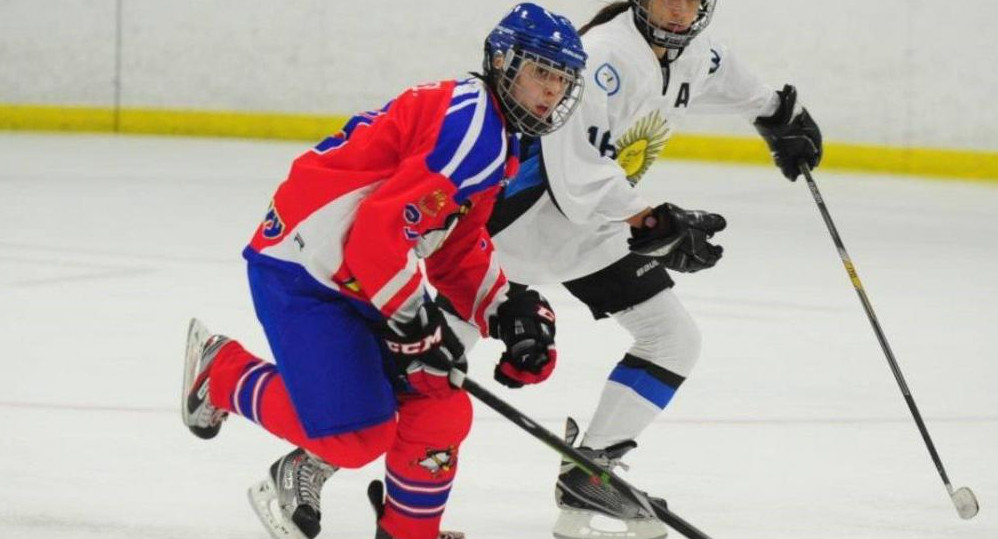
(655, 507)
(963, 498)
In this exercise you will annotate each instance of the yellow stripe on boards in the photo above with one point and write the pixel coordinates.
(170, 122)
(56, 118)
(230, 124)
(960, 164)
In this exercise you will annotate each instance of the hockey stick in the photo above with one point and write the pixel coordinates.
(655, 507)
(963, 498)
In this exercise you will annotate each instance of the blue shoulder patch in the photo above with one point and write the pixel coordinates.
(608, 79)
(273, 227)
(715, 61)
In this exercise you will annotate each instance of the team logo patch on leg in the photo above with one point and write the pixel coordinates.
(438, 460)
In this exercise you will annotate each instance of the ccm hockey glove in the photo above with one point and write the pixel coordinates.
(425, 349)
(791, 134)
(525, 323)
(679, 237)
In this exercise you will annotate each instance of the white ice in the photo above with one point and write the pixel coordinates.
(792, 425)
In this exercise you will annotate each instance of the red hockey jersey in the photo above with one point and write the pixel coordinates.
(414, 181)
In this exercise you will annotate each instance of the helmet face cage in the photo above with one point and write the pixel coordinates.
(529, 55)
(664, 38)
(518, 66)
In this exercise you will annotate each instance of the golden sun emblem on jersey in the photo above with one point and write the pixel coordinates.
(638, 148)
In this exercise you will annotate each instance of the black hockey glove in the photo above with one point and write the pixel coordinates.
(525, 323)
(694, 253)
(679, 237)
(425, 349)
(791, 134)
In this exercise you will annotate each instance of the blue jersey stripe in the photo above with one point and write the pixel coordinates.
(461, 101)
(461, 128)
(488, 147)
(471, 148)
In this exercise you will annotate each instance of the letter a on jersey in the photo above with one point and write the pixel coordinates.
(683, 99)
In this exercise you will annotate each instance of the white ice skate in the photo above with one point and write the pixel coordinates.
(287, 501)
(593, 510)
(196, 409)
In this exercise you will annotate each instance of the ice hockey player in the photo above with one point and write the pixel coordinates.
(362, 354)
(650, 63)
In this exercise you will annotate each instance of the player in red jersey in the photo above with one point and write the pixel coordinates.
(337, 279)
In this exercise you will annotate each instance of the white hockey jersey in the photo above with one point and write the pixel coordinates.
(584, 172)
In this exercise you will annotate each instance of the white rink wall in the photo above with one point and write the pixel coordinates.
(902, 73)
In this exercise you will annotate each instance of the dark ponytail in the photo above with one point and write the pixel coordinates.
(606, 14)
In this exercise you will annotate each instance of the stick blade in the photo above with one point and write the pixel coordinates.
(965, 502)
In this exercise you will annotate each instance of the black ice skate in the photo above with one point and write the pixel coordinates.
(198, 414)
(585, 501)
(287, 501)
(376, 495)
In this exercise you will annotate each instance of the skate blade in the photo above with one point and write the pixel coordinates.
(197, 335)
(263, 499)
(589, 525)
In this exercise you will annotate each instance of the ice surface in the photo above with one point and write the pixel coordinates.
(792, 425)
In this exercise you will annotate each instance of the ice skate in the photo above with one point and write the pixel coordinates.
(287, 501)
(376, 495)
(593, 510)
(198, 413)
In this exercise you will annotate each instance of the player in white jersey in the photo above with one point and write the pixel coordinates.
(572, 217)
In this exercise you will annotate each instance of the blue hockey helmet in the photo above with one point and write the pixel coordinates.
(663, 37)
(532, 41)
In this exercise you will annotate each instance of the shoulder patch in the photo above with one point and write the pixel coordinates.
(411, 214)
(608, 79)
(715, 61)
(642, 144)
(273, 226)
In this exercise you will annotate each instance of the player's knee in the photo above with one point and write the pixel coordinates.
(676, 349)
(678, 341)
(441, 422)
(355, 449)
(664, 334)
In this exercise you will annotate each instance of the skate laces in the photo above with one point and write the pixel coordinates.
(609, 462)
(610, 457)
(208, 414)
(217, 415)
(211, 347)
(310, 475)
